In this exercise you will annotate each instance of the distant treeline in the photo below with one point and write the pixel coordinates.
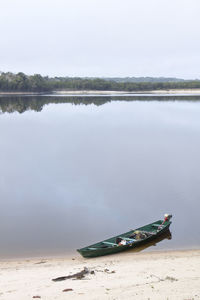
(144, 79)
(21, 82)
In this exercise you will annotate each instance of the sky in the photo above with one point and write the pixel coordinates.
(97, 38)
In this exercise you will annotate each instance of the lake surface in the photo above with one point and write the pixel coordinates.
(75, 170)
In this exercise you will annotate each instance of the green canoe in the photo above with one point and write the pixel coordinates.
(127, 240)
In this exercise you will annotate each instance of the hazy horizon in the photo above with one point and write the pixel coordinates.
(101, 38)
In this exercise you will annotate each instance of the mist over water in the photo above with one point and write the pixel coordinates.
(75, 174)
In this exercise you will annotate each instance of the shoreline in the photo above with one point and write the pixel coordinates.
(172, 274)
(173, 91)
(97, 92)
(70, 255)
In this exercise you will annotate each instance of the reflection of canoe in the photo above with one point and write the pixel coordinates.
(164, 236)
(128, 240)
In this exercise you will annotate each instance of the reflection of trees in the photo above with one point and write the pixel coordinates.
(21, 104)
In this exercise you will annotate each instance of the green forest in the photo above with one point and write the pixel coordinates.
(20, 82)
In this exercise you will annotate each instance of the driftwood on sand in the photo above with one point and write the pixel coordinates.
(78, 275)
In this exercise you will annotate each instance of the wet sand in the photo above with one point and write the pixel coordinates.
(151, 275)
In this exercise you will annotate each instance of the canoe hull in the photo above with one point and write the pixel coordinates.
(85, 252)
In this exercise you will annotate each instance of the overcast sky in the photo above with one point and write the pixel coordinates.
(101, 37)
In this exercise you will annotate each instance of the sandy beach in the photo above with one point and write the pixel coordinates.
(162, 92)
(97, 92)
(151, 275)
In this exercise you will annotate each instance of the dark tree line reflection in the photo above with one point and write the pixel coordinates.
(21, 104)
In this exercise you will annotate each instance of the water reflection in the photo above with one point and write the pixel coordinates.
(165, 236)
(22, 104)
(75, 174)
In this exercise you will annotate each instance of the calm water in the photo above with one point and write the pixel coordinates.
(73, 174)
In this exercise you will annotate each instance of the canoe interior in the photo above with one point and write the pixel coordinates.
(111, 245)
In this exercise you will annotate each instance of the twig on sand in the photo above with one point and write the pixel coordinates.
(40, 262)
(67, 290)
(166, 278)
